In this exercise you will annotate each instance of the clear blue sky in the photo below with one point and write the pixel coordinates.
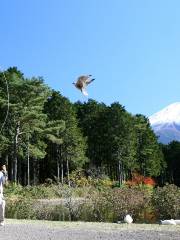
(131, 47)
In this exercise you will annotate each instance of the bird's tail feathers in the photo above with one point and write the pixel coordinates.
(84, 92)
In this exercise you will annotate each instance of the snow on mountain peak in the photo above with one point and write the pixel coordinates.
(169, 114)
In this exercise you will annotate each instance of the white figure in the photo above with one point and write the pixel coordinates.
(82, 83)
(128, 219)
(3, 179)
(168, 222)
(177, 222)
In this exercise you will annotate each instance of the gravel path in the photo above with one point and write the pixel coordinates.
(43, 230)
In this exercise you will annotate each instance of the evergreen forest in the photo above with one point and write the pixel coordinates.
(44, 136)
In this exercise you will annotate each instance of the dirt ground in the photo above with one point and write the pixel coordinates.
(45, 230)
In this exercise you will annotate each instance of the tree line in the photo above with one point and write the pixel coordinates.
(47, 136)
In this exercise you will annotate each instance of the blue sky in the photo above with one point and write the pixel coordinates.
(131, 47)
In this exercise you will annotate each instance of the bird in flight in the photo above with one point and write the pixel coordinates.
(82, 83)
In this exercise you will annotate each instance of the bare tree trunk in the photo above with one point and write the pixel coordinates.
(57, 163)
(15, 153)
(28, 164)
(119, 173)
(34, 175)
(171, 177)
(120, 168)
(35, 171)
(12, 170)
(15, 159)
(58, 170)
(67, 165)
(7, 161)
(62, 172)
(62, 166)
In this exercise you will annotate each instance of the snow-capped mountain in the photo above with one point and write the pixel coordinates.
(166, 123)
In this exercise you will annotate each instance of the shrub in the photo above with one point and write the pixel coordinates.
(78, 179)
(95, 203)
(98, 207)
(20, 208)
(40, 191)
(53, 213)
(166, 201)
(111, 205)
(13, 189)
(138, 179)
(133, 200)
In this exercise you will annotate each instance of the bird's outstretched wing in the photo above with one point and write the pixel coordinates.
(88, 81)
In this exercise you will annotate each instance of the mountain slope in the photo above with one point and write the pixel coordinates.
(166, 123)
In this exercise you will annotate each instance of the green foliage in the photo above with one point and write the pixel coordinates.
(71, 150)
(119, 141)
(47, 136)
(148, 153)
(90, 204)
(53, 213)
(21, 208)
(78, 179)
(58, 137)
(14, 191)
(172, 158)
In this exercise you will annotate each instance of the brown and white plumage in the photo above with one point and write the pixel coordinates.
(82, 83)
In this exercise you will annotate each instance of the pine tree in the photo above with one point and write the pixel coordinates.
(70, 154)
(149, 154)
(27, 125)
